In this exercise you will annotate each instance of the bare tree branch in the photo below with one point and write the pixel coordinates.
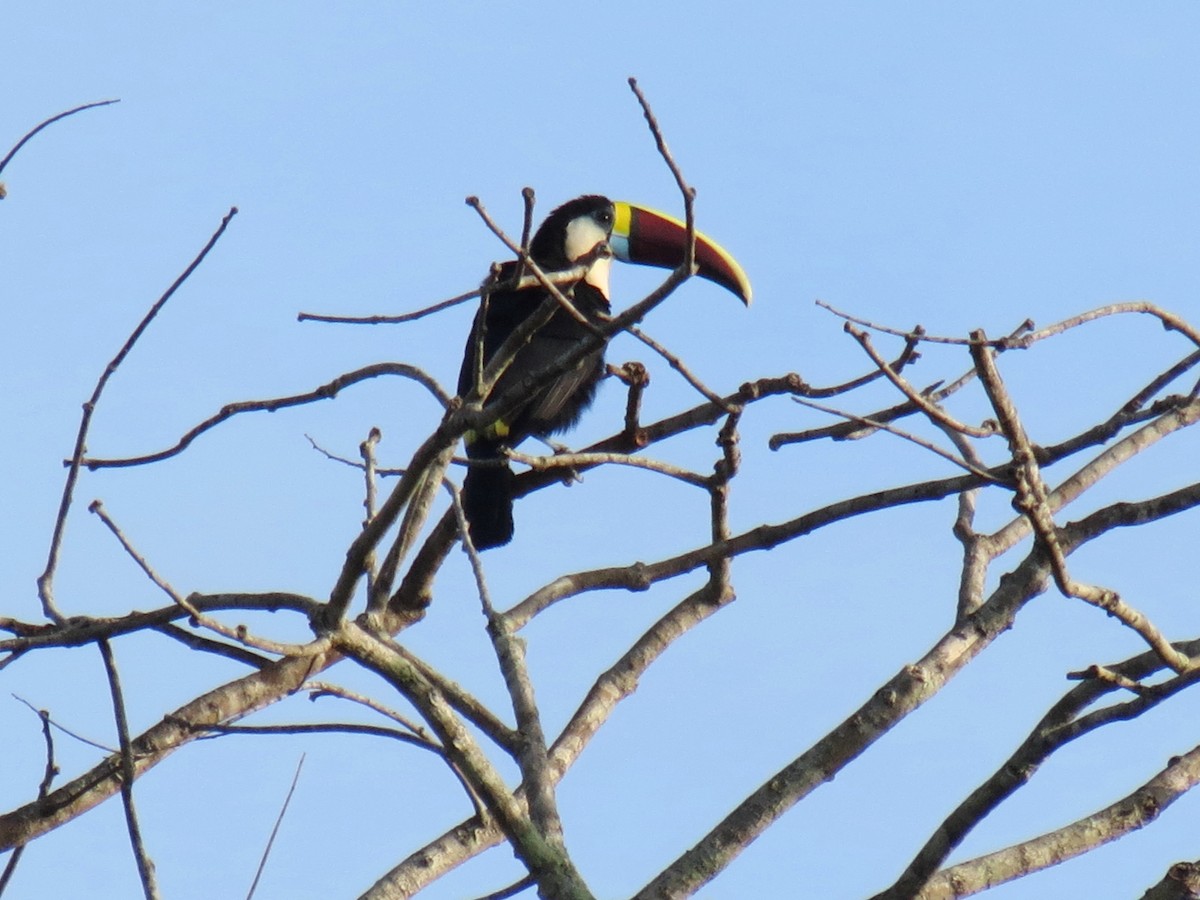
(1065, 722)
(934, 412)
(48, 775)
(144, 864)
(547, 862)
(389, 320)
(46, 579)
(50, 121)
(1132, 812)
(326, 391)
(905, 692)
(1033, 501)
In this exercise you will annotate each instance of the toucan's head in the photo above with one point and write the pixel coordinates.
(634, 234)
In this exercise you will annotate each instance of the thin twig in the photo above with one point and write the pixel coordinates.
(424, 743)
(566, 276)
(677, 364)
(637, 379)
(468, 545)
(687, 266)
(686, 190)
(62, 115)
(849, 431)
(1033, 500)
(1028, 336)
(324, 392)
(389, 320)
(48, 774)
(935, 412)
(82, 630)
(977, 549)
(529, 198)
(46, 579)
(724, 469)
(916, 334)
(845, 431)
(462, 701)
(1116, 679)
(1170, 321)
(367, 450)
(240, 634)
(208, 645)
(531, 753)
(512, 890)
(319, 689)
(211, 732)
(262, 863)
(577, 460)
(963, 463)
(67, 731)
(415, 515)
(1138, 400)
(546, 820)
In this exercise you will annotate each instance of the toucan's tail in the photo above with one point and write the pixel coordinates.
(487, 498)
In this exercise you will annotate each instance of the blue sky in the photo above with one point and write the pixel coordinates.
(956, 165)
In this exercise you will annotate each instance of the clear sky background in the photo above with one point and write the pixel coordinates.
(955, 165)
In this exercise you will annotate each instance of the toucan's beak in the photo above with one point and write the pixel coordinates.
(651, 238)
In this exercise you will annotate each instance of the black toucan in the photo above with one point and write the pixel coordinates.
(570, 233)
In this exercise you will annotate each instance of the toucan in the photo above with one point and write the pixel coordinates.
(588, 230)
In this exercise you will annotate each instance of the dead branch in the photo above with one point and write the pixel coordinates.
(1062, 724)
(1132, 812)
(262, 864)
(46, 579)
(325, 392)
(144, 864)
(48, 776)
(46, 124)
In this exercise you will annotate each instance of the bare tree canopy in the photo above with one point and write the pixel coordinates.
(814, 600)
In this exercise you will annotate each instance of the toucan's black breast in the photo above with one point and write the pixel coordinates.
(559, 404)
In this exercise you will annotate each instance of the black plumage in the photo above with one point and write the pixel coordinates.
(553, 407)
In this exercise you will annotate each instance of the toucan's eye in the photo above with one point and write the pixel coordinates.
(605, 217)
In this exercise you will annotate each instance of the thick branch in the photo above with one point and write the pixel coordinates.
(1132, 812)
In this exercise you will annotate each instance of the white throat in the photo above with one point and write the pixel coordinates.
(583, 234)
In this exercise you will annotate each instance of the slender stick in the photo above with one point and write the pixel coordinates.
(262, 863)
(62, 115)
(389, 320)
(324, 392)
(1134, 811)
(935, 412)
(46, 579)
(1033, 499)
(240, 634)
(144, 864)
(367, 450)
(43, 789)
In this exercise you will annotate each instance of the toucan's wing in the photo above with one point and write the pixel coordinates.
(559, 403)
